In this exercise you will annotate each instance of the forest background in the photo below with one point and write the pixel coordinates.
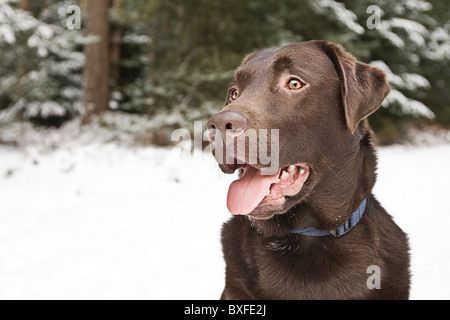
(162, 65)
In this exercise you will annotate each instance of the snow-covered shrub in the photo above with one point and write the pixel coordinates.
(407, 39)
(41, 65)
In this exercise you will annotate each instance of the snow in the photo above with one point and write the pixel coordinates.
(44, 109)
(9, 18)
(416, 32)
(439, 47)
(417, 5)
(343, 15)
(413, 186)
(106, 221)
(408, 81)
(407, 105)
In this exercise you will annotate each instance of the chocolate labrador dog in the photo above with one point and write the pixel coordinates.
(309, 226)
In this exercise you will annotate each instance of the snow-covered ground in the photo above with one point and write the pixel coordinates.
(103, 221)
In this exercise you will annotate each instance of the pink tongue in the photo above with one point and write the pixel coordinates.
(245, 194)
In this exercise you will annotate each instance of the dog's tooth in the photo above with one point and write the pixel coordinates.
(302, 171)
(284, 175)
(291, 168)
(268, 192)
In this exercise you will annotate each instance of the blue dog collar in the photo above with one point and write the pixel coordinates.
(339, 232)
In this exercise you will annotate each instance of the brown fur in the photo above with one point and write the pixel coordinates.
(323, 124)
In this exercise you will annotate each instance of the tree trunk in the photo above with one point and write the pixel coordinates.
(24, 5)
(96, 72)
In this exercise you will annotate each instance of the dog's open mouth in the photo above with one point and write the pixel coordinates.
(256, 191)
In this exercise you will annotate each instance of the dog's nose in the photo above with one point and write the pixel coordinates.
(231, 123)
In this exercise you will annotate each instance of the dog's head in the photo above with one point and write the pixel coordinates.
(293, 123)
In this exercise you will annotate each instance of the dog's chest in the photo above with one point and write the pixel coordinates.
(301, 269)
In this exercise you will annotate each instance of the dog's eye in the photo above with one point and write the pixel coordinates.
(294, 84)
(234, 94)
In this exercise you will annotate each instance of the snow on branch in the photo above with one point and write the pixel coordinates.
(406, 81)
(342, 14)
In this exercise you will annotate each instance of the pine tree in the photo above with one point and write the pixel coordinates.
(194, 46)
(173, 60)
(40, 69)
(406, 41)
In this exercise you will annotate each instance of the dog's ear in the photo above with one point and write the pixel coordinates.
(363, 87)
